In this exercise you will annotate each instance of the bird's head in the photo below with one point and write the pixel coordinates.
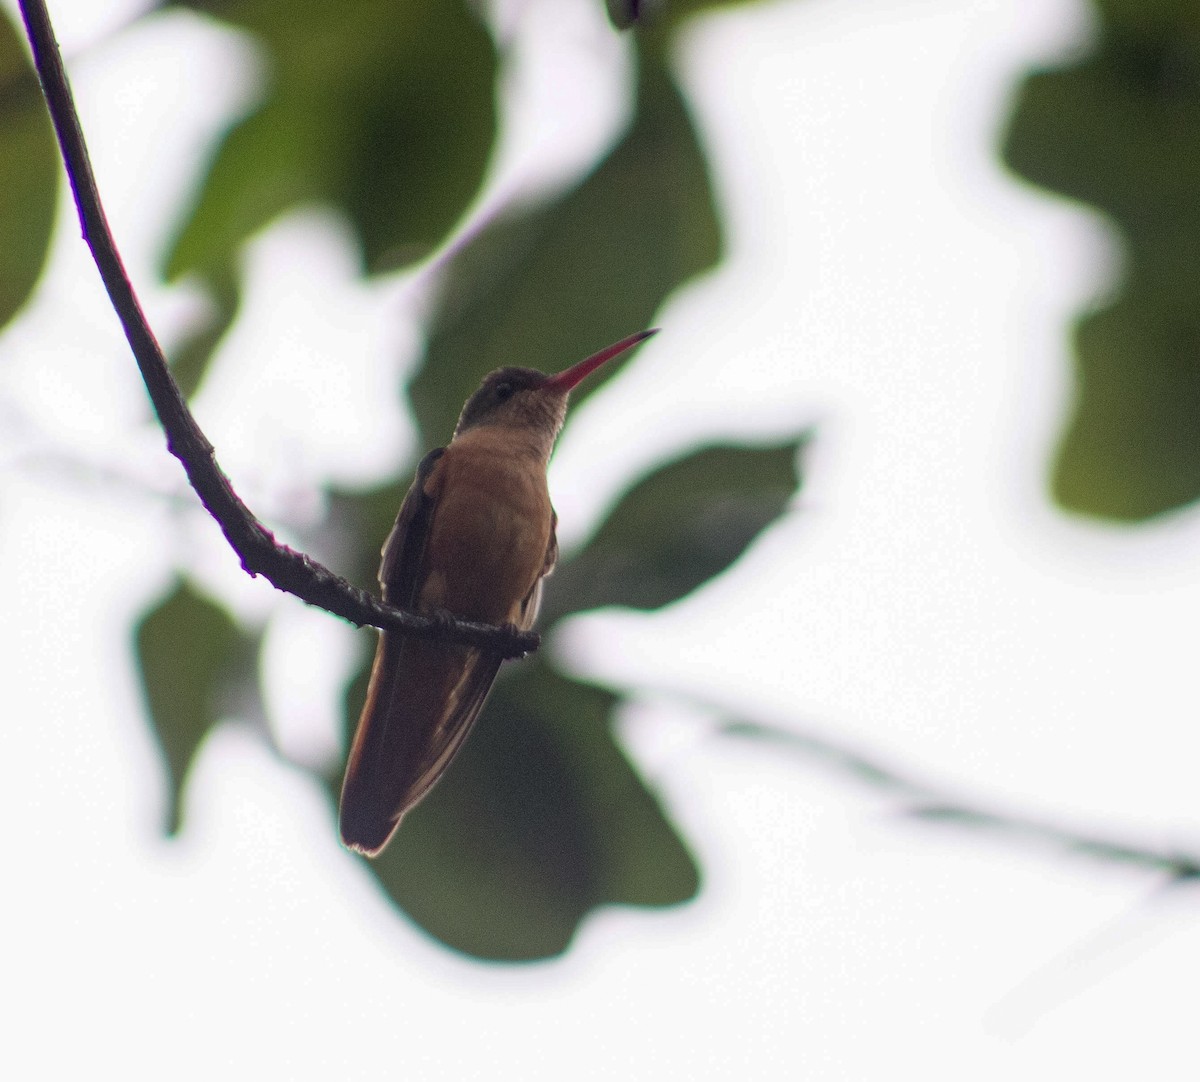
(524, 398)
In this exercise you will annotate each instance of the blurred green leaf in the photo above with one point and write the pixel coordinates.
(381, 109)
(29, 173)
(1150, 15)
(191, 655)
(626, 13)
(539, 820)
(545, 286)
(1131, 450)
(1120, 129)
(191, 358)
(677, 528)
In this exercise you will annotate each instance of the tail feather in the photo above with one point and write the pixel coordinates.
(422, 701)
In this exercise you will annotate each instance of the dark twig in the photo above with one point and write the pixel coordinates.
(260, 553)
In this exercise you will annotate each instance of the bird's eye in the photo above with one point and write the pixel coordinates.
(504, 391)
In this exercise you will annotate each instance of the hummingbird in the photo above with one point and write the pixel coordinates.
(474, 539)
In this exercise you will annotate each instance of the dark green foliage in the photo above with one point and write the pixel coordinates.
(1133, 447)
(678, 528)
(626, 13)
(29, 172)
(1120, 129)
(381, 109)
(192, 657)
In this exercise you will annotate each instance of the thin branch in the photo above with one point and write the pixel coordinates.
(260, 553)
(933, 804)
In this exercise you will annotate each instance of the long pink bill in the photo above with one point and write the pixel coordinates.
(568, 378)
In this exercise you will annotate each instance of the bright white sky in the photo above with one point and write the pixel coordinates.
(923, 603)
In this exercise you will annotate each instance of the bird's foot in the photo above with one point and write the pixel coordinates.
(444, 622)
(515, 636)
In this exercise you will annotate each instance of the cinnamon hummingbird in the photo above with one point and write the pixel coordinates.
(475, 538)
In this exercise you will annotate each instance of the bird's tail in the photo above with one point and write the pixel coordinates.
(422, 700)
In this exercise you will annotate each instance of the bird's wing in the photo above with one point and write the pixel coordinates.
(532, 602)
(388, 744)
(404, 549)
(551, 560)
